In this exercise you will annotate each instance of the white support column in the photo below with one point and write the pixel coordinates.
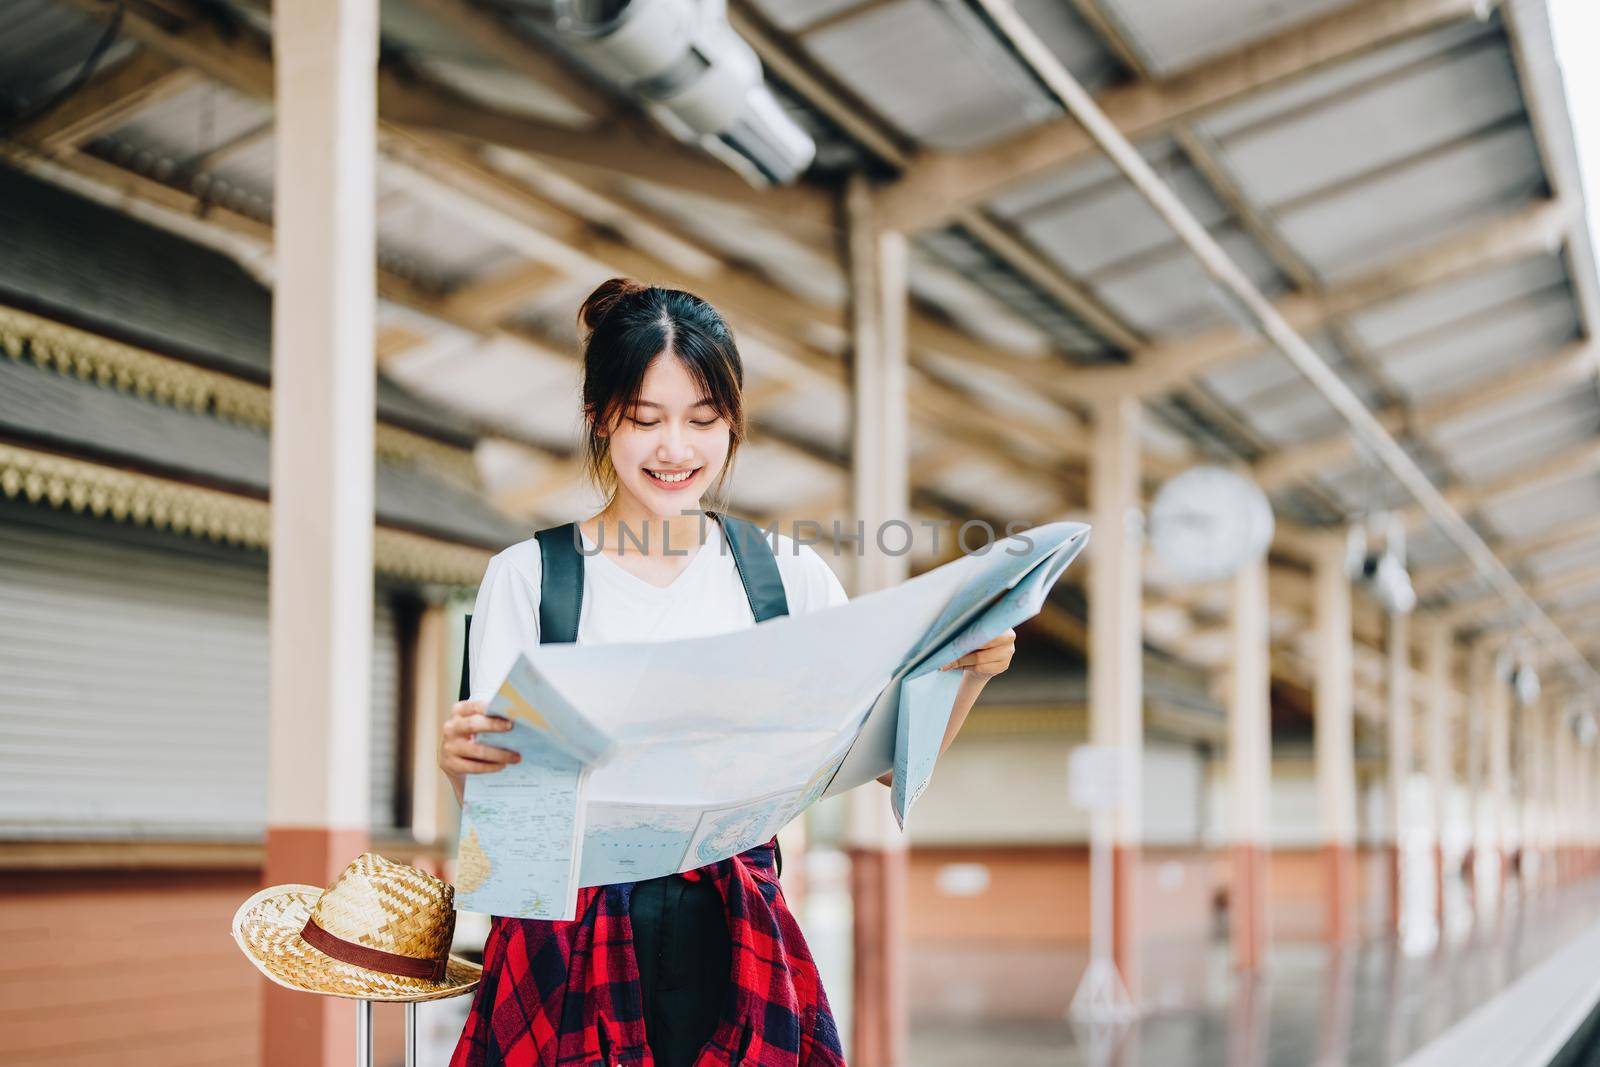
(1441, 777)
(1549, 724)
(1480, 677)
(1548, 803)
(1399, 711)
(1567, 798)
(1116, 654)
(1499, 723)
(1250, 763)
(1542, 788)
(881, 497)
(1549, 795)
(1583, 811)
(1531, 811)
(1582, 794)
(1588, 765)
(1335, 735)
(433, 806)
(320, 564)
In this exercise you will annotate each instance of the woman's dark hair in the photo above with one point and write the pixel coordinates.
(625, 325)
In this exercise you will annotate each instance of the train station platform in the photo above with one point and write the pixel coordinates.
(1505, 990)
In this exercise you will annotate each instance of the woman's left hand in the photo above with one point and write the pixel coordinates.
(990, 659)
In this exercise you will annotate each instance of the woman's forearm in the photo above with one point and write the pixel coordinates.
(972, 684)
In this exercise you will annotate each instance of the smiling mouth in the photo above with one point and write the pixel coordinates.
(671, 478)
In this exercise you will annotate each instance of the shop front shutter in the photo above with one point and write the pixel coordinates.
(133, 675)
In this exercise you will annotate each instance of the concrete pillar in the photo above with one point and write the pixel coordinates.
(433, 687)
(1499, 723)
(320, 566)
(1582, 829)
(1335, 735)
(1550, 737)
(1567, 799)
(880, 491)
(1581, 825)
(1543, 755)
(1441, 761)
(1250, 763)
(1552, 800)
(1116, 654)
(1399, 711)
(1530, 774)
(1480, 677)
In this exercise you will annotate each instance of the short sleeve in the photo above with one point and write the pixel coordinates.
(505, 619)
(816, 586)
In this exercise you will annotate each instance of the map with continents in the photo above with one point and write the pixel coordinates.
(729, 831)
(631, 842)
(506, 865)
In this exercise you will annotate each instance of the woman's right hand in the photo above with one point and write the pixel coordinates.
(461, 754)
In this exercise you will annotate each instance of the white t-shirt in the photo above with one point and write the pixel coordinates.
(705, 598)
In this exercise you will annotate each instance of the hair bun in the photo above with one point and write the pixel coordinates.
(605, 297)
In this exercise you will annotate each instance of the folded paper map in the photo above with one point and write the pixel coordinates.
(641, 760)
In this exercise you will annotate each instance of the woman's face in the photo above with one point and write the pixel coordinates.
(669, 448)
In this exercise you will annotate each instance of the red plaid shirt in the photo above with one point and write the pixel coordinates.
(561, 994)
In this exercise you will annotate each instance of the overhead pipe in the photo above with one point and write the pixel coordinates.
(704, 80)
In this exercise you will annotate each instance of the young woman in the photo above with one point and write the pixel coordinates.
(707, 968)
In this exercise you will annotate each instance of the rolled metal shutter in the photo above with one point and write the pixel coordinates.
(133, 686)
(385, 712)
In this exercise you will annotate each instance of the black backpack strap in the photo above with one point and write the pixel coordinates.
(560, 584)
(758, 567)
(560, 595)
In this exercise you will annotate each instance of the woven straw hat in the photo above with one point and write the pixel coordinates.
(381, 932)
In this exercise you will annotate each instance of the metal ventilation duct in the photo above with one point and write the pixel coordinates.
(682, 58)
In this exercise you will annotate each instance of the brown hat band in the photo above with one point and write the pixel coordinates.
(373, 959)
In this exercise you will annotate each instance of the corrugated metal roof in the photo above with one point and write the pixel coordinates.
(927, 72)
(1438, 307)
(1174, 34)
(1482, 343)
(1171, 296)
(1422, 203)
(1428, 105)
(1108, 223)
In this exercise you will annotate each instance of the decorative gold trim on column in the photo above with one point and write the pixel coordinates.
(63, 482)
(165, 380)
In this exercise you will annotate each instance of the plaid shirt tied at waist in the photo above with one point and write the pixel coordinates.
(564, 994)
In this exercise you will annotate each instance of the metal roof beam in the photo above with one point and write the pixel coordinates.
(1476, 608)
(490, 301)
(1570, 463)
(1572, 365)
(1535, 230)
(109, 98)
(1431, 580)
(940, 184)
